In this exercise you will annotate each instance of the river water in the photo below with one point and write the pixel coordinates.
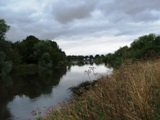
(21, 96)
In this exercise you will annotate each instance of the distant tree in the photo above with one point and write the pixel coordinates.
(97, 56)
(102, 56)
(86, 57)
(3, 29)
(80, 57)
(98, 59)
(91, 57)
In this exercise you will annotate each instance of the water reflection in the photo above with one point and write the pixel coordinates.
(19, 95)
(27, 87)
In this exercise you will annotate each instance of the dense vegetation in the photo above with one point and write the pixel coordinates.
(145, 47)
(29, 55)
(81, 59)
(130, 93)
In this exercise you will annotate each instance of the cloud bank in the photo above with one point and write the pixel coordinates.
(75, 23)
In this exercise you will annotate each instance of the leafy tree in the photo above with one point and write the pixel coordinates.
(5, 50)
(43, 54)
(3, 29)
(45, 63)
(5, 66)
(91, 57)
(143, 41)
(42, 47)
(145, 47)
(15, 57)
(80, 58)
(97, 56)
(26, 49)
(157, 41)
(2, 59)
(5, 46)
(58, 57)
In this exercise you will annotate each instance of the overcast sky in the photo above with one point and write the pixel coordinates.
(82, 27)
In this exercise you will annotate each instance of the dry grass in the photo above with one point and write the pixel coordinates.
(131, 93)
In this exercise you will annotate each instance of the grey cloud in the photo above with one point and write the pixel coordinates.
(24, 23)
(67, 11)
(3, 2)
(81, 31)
(146, 16)
(62, 19)
(135, 10)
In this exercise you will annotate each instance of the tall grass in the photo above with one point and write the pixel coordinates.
(130, 93)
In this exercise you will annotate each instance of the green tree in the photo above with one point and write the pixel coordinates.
(5, 66)
(5, 46)
(97, 56)
(5, 50)
(2, 59)
(45, 64)
(26, 49)
(58, 57)
(157, 41)
(3, 29)
(145, 47)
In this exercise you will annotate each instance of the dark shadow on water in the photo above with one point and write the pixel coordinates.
(6, 95)
(28, 85)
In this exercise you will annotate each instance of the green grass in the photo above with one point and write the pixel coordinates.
(130, 93)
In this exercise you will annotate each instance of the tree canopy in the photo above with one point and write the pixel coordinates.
(145, 47)
(43, 54)
(3, 29)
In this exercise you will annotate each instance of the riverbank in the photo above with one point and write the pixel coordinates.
(83, 88)
(130, 93)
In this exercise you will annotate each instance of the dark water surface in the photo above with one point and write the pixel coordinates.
(20, 96)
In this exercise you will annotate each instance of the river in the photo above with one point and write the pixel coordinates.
(20, 96)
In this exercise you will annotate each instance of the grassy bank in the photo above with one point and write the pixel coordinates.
(131, 93)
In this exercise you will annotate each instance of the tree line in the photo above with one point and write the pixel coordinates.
(81, 58)
(145, 47)
(28, 54)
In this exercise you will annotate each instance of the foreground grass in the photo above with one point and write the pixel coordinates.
(131, 93)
